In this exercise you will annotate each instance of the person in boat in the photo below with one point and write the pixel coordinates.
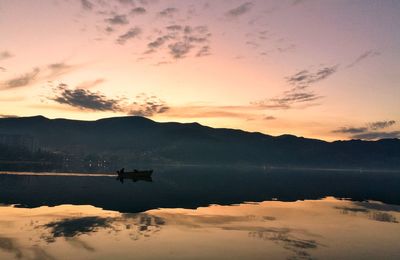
(122, 171)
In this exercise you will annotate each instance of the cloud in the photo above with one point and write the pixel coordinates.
(289, 99)
(59, 69)
(5, 55)
(306, 78)
(127, 2)
(363, 56)
(381, 124)
(87, 5)
(148, 106)
(159, 41)
(2, 69)
(178, 50)
(22, 80)
(117, 20)
(369, 132)
(182, 40)
(351, 130)
(195, 39)
(202, 111)
(377, 135)
(8, 116)
(168, 12)
(174, 27)
(210, 114)
(299, 96)
(204, 51)
(240, 10)
(138, 11)
(297, 2)
(84, 99)
(269, 118)
(91, 83)
(38, 74)
(132, 33)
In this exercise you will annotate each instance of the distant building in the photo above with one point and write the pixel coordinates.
(24, 141)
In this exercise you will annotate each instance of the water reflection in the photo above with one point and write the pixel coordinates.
(195, 187)
(135, 178)
(284, 237)
(272, 229)
(373, 210)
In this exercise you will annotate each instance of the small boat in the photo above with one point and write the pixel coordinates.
(135, 174)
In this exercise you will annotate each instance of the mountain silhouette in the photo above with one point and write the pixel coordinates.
(134, 138)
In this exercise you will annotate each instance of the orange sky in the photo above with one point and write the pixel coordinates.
(321, 69)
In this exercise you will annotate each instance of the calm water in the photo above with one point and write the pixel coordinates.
(201, 213)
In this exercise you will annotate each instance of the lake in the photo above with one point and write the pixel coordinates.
(201, 213)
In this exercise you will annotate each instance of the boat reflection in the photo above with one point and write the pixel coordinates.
(267, 230)
(135, 178)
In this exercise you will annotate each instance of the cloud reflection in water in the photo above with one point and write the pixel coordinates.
(272, 229)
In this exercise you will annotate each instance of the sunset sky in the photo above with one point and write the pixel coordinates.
(321, 69)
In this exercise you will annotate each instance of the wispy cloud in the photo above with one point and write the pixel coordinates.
(126, 2)
(175, 27)
(182, 39)
(179, 49)
(240, 10)
(364, 56)
(58, 69)
(305, 78)
(288, 100)
(168, 12)
(299, 96)
(87, 5)
(148, 106)
(369, 131)
(5, 55)
(377, 135)
(351, 130)
(297, 2)
(132, 33)
(381, 124)
(269, 118)
(204, 111)
(159, 41)
(39, 74)
(22, 80)
(7, 116)
(204, 51)
(138, 11)
(117, 19)
(91, 83)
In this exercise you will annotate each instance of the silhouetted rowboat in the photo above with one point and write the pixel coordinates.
(134, 174)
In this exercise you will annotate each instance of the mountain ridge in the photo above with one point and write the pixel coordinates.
(138, 139)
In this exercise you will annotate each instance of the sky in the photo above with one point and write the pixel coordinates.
(319, 69)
